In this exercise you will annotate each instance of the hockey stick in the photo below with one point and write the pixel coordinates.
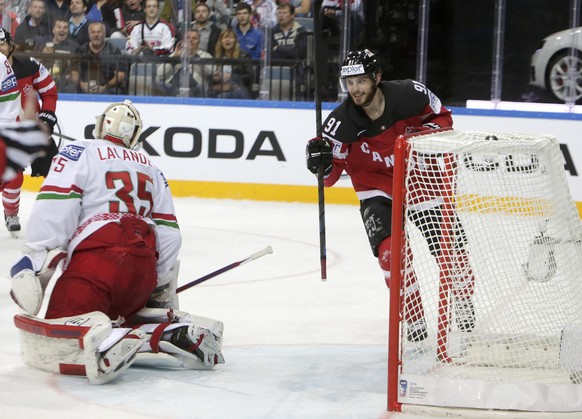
(320, 186)
(64, 137)
(266, 251)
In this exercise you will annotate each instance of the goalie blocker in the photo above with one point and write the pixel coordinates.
(93, 346)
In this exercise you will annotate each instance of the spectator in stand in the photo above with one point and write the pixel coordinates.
(302, 7)
(78, 22)
(264, 13)
(207, 30)
(173, 12)
(331, 17)
(35, 24)
(132, 13)
(59, 44)
(251, 40)
(57, 8)
(198, 75)
(219, 13)
(152, 36)
(231, 80)
(104, 11)
(101, 70)
(8, 19)
(289, 40)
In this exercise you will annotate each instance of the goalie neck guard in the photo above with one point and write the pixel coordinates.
(120, 123)
(358, 63)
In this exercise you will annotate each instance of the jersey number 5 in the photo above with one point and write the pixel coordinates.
(125, 189)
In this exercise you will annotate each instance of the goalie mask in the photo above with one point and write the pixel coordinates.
(120, 123)
(358, 63)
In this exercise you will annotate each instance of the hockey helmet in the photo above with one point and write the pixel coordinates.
(357, 63)
(5, 36)
(120, 123)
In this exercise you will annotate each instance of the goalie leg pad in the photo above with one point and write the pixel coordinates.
(85, 345)
(164, 296)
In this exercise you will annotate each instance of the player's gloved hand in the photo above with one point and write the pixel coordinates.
(41, 165)
(319, 153)
(23, 142)
(28, 285)
(50, 119)
(431, 125)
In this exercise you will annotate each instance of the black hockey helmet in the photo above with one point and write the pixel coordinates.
(357, 63)
(5, 36)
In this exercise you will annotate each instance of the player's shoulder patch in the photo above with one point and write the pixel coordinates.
(72, 151)
(9, 83)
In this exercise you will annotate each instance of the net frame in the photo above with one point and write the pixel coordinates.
(444, 338)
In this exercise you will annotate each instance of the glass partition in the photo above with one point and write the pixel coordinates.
(497, 51)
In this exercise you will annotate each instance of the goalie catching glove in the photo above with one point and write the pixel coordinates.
(29, 285)
(319, 154)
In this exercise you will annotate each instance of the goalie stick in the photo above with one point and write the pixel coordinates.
(266, 251)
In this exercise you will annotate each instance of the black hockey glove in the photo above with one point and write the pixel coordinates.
(41, 165)
(49, 118)
(319, 153)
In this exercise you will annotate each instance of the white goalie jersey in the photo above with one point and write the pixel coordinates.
(89, 185)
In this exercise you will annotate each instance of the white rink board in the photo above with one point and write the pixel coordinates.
(279, 130)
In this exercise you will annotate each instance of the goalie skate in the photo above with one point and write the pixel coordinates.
(417, 331)
(12, 225)
(199, 341)
(465, 315)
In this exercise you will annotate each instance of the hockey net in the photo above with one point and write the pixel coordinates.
(486, 287)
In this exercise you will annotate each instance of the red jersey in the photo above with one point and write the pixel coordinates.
(33, 78)
(365, 148)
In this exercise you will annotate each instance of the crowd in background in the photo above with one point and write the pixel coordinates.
(201, 48)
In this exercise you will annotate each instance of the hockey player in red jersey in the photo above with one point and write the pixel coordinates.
(108, 211)
(33, 79)
(359, 138)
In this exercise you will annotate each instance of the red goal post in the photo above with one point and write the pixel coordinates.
(484, 226)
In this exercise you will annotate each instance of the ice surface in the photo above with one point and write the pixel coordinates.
(295, 347)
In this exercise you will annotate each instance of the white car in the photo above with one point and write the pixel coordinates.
(557, 65)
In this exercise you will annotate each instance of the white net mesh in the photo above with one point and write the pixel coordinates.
(497, 269)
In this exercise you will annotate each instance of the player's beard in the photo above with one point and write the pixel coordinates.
(366, 99)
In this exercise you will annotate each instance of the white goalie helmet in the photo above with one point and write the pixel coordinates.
(120, 123)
